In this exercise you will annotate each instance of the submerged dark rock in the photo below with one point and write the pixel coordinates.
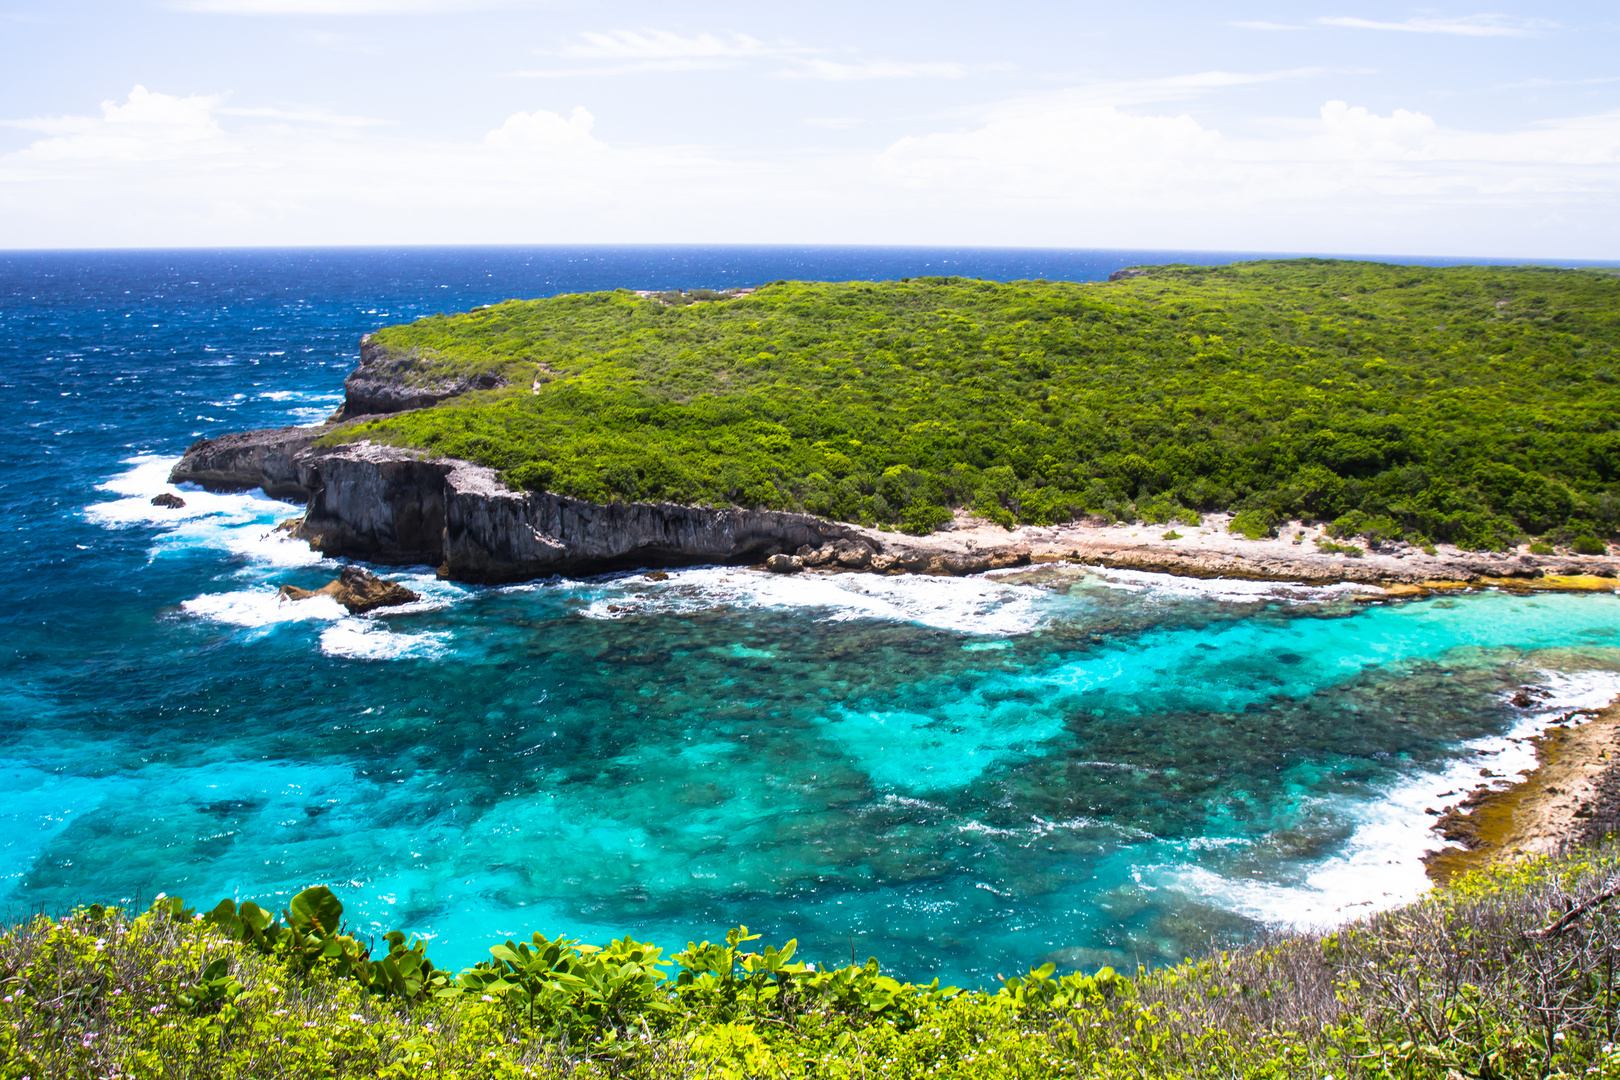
(357, 589)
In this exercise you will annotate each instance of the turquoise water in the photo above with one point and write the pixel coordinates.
(958, 776)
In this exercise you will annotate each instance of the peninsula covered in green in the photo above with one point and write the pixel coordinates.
(1468, 405)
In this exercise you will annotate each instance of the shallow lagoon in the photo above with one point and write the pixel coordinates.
(959, 776)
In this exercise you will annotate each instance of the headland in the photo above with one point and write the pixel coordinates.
(1303, 421)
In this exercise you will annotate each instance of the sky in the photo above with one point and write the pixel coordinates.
(1345, 126)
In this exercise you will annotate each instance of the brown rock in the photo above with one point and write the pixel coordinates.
(784, 564)
(357, 589)
(168, 499)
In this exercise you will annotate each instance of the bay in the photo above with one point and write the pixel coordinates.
(961, 777)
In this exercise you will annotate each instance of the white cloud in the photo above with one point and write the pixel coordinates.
(339, 7)
(1464, 25)
(1122, 164)
(664, 45)
(146, 127)
(547, 132)
(624, 52)
(1538, 84)
(691, 64)
(1181, 87)
(836, 71)
(1072, 151)
(633, 51)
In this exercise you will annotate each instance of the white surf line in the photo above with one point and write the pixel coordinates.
(970, 605)
(1381, 865)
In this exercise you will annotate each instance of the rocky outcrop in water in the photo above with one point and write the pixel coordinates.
(168, 500)
(357, 589)
(384, 382)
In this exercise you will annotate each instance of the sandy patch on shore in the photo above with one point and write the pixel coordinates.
(1208, 550)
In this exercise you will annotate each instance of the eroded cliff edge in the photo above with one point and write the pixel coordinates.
(390, 505)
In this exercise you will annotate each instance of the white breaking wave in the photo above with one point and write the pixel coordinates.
(364, 639)
(1040, 826)
(241, 523)
(1227, 590)
(358, 637)
(262, 607)
(1381, 865)
(972, 605)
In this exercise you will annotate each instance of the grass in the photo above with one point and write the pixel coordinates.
(1472, 405)
(1508, 973)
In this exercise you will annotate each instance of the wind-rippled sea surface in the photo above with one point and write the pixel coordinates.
(960, 776)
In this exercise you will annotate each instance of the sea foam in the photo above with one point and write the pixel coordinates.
(969, 605)
(1380, 866)
(240, 523)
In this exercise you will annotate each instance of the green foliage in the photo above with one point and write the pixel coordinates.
(310, 937)
(1467, 982)
(1352, 550)
(1253, 524)
(1466, 404)
(1376, 529)
(1588, 545)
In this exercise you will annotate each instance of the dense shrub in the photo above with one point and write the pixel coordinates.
(1254, 524)
(1471, 405)
(1508, 973)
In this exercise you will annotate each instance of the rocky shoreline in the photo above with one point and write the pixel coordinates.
(1571, 799)
(397, 506)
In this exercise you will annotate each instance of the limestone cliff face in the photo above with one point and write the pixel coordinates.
(375, 503)
(383, 383)
(388, 505)
(249, 459)
(493, 534)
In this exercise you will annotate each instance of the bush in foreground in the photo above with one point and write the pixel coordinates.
(1509, 973)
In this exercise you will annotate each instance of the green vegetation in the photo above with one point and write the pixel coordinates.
(1328, 547)
(1472, 405)
(1509, 973)
(1256, 523)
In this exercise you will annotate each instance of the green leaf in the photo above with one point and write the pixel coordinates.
(315, 907)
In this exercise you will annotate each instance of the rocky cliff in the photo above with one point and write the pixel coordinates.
(249, 459)
(385, 382)
(388, 505)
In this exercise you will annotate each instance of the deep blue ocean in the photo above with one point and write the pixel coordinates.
(961, 777)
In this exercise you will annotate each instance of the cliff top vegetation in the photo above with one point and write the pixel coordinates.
(1509, 973)
(1473, 405)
